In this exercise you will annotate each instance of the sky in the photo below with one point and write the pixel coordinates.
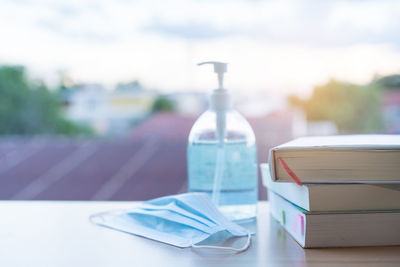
(277, 47)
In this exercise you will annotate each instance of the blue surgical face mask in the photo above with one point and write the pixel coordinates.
(181, 220)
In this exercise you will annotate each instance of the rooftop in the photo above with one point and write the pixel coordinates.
(148, 163)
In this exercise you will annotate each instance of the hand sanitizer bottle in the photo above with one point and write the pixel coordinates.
(222, 157)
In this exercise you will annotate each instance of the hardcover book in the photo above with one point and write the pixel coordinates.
(336, 229)
(335, 197)
(337, 159)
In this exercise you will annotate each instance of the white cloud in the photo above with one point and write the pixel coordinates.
(371, 16)
(271, 45)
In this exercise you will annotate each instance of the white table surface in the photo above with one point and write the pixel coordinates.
(58, 233)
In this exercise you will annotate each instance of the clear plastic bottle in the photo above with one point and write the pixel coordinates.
(222, 159)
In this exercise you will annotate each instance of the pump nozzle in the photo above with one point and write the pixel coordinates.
(220, 68)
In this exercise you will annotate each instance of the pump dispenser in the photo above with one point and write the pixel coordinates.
(220, 100)
(222, 158)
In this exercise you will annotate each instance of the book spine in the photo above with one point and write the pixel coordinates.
(271, 164)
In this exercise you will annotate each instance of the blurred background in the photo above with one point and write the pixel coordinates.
(97, 98)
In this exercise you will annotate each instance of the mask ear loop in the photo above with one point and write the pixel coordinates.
(231, 249)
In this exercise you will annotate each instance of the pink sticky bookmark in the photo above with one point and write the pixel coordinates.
(300, 218)
(290, 172)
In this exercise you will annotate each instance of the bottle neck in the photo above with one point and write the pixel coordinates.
(220, 100)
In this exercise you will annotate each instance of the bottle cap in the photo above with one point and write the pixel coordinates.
(220, 98)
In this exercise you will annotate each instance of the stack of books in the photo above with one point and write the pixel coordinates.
(336, 191)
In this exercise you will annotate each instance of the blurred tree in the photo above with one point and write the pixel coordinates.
(163, 104)
(27, 107)
(389, 82)
(352, 107)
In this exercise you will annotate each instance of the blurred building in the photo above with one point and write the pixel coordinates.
(189, 103)
(322, 128)
(108, 112)
(391, 110)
